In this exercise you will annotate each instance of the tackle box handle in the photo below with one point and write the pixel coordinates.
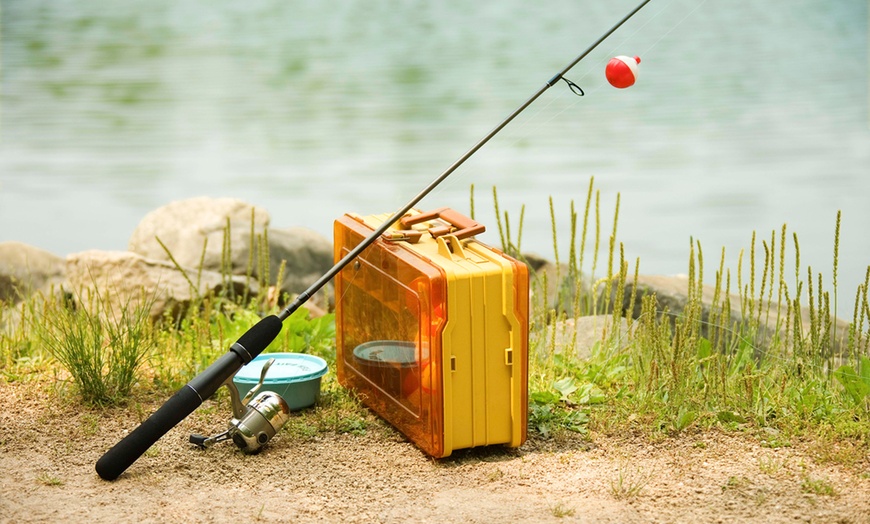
(457, 225)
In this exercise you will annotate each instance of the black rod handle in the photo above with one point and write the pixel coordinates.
(187, 399)
(130, 448)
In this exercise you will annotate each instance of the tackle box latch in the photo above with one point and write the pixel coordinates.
(411, 236)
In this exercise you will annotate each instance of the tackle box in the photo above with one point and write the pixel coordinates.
(432, 330)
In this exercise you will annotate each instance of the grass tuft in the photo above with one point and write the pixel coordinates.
(628, 483)
(768, 356)
(818, 487)
(101, 348)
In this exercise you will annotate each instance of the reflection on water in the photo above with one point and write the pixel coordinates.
(746, 116)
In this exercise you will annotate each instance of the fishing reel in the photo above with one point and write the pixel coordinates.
(256, 418)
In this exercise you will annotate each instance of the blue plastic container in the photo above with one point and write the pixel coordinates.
(294, 376)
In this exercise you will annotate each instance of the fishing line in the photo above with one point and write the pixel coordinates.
(524, 130)
(527, 127)
(573, 87)
(672, 29)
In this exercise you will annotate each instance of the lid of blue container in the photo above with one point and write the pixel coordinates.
(287, 368)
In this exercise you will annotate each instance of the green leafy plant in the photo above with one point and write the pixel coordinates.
(339, 411)
(302, 334)
(549, 418)
(856, 383)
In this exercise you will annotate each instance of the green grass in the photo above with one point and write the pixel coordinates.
(818, 487)
(628, 482)
(561, 511)
(756, 350)
(48, 479)
(765, 357)
(102, 347)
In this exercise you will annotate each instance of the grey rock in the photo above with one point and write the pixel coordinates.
(189, 227)
(114, 281)
(307, 256)
(26, 269)
(561, 287)
(195, 231)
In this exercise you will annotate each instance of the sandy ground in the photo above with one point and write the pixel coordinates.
(48, 448)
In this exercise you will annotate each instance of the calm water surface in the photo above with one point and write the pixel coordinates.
(746, 116)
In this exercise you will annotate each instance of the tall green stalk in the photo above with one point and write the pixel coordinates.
(101, 348)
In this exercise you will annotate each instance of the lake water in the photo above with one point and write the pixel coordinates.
(746, 116)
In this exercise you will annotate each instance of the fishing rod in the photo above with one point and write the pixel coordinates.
(260, 335)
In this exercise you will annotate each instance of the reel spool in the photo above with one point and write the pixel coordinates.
(256, 419)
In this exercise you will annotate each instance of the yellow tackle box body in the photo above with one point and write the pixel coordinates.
(433, 335)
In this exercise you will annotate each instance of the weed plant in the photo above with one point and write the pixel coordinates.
(629, 483)
(100, 347)
(768, 356)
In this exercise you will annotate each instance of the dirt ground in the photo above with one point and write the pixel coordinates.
(48, 448)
